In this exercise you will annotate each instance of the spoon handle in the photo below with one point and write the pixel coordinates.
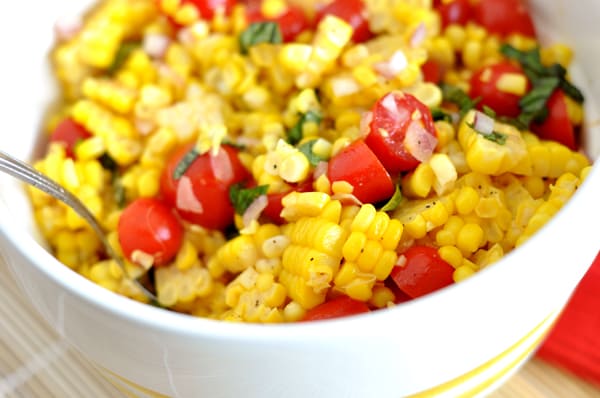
(33, 177)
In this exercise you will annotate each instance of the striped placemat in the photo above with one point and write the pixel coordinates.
(37, 363)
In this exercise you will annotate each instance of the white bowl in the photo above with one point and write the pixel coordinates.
(463, 339)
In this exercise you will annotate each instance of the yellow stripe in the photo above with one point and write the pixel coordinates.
(524, 347)
(524, 344)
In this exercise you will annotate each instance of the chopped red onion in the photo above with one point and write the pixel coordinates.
(255, 209)
(396, 64)
(419, 142)
(483, 123)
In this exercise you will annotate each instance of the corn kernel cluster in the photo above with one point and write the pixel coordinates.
(472, 199)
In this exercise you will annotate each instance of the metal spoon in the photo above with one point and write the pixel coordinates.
(28, 174)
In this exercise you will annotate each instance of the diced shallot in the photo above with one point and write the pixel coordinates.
(483, 123)
(186, 198)
(255, 209)
(419, 142)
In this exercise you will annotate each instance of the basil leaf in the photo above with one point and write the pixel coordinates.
(294, 135)
(458, 97)
(489, 112)
(494, 136)
(119, 192)
(534, 70)
(440, 115)
(242, 197)
(123, 52)
(394, 201)
(185, 163)
(533, 104)
(260, 32)
(307, 150)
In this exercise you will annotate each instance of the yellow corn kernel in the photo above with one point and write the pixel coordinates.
(445, 133)
(293, 312)
(428, 93)
(416, 227)
(274, 246)
(238, 254)
(303, 204)
(392, 235)
(461, 273)
(362, 221)
(470, 238)
(452, 255)
(148, 183)
(456, 35)
(512, 83)
(369, 255)
(187, 256)
(382, 296)
(295, 56)
(90, 148)
(466, 200)
(471, 54)
(418, 183)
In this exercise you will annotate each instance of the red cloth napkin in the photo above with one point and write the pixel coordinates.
(574, 342)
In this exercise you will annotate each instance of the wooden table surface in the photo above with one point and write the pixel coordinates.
(36, 363)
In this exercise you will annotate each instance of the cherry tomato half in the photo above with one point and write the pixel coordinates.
(351, 11)
(432, 71)
(208, 8)
(454, 12)
(336, 308)
(201, 194)
(148, 225)
(69, 133)
(358, 165)
(484, 85)
(557, 126)
(423, 272)
(396, 116)
(504, 17)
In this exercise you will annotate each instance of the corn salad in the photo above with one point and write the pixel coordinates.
(270, 161)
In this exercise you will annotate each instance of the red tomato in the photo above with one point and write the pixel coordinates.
(338, 307)
(395, 115)
(208, 8)
(148, 225)
(432, 71)
(454, 12)
(292, 21)
(358, 165)
(69, 133)
(423, 272)
(201, 195)
(351, 11)
(504, 17)
(557, 126)
(484, 86)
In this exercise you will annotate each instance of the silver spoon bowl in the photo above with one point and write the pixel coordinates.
(31, 176)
